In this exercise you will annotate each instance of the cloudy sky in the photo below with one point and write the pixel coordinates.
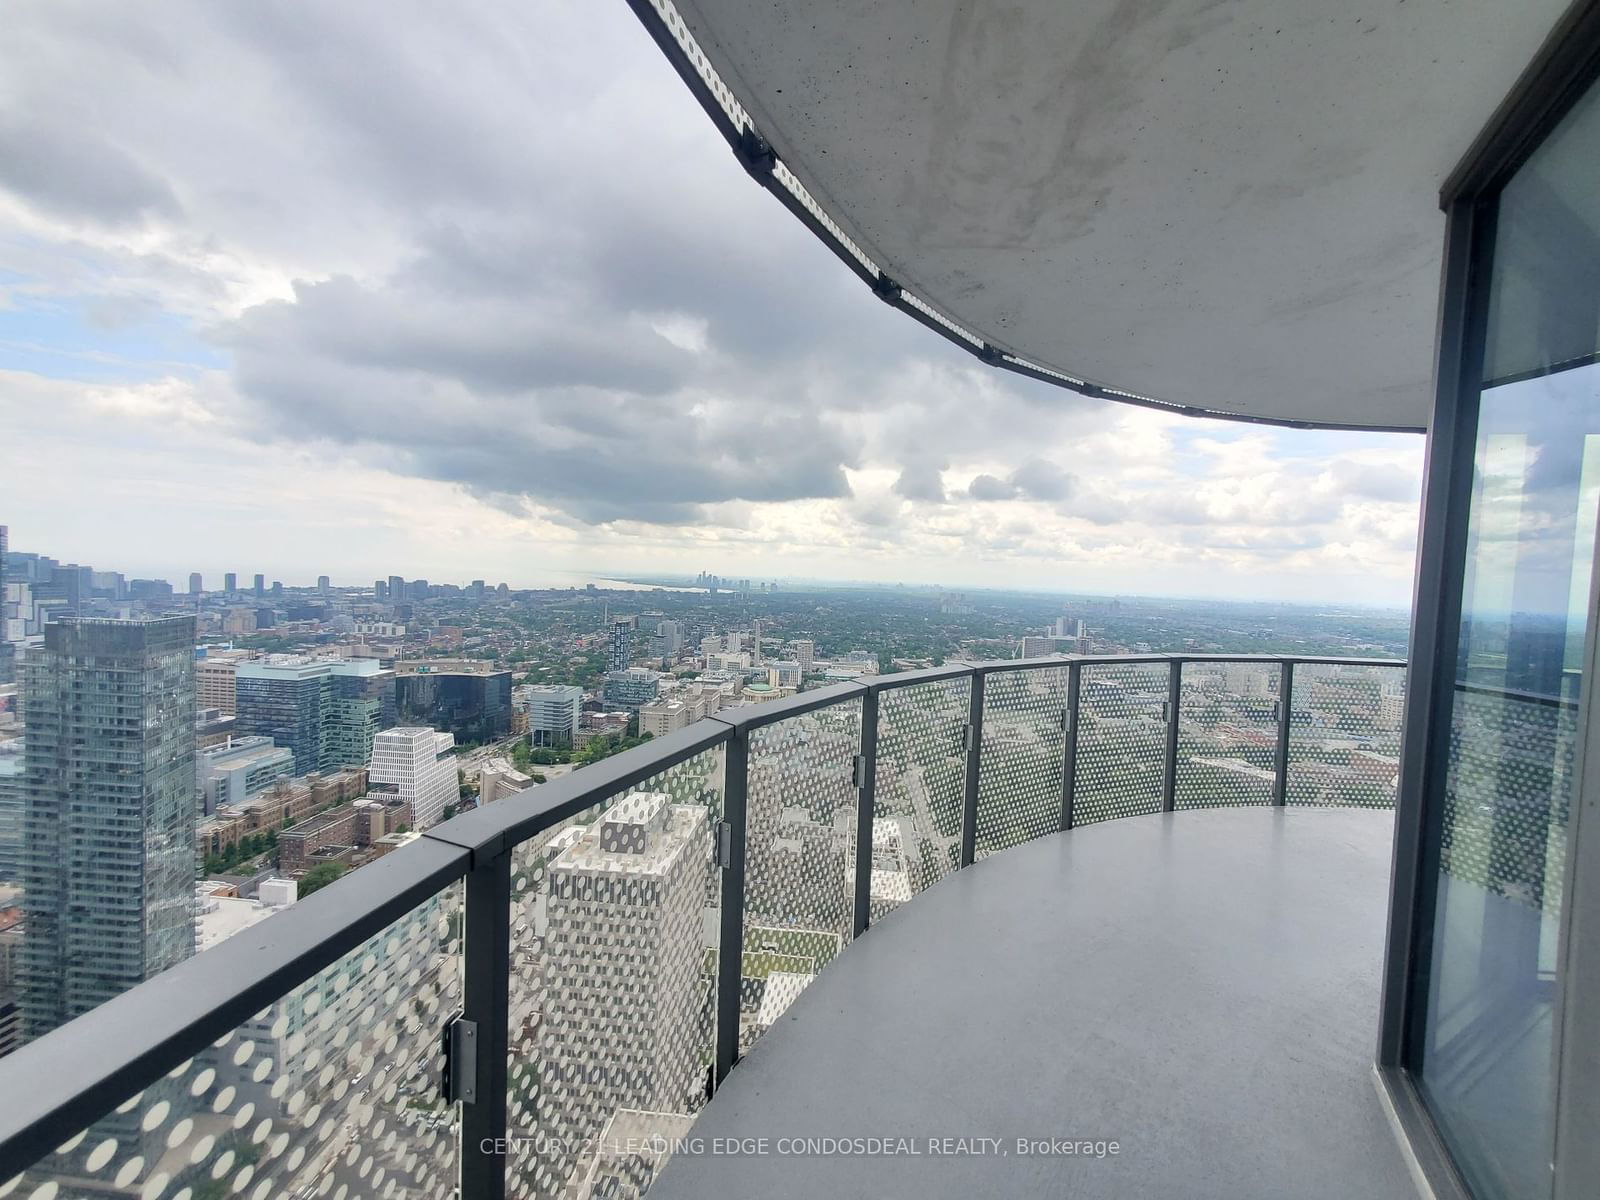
(474, 290)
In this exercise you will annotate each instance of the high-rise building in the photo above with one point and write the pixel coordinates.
(145, 589)
(671, 633)
(6, 652)
(360, 702)
(416, 765)
(108, 812)
(553, 711)
(626, 898)
(324, 584)
(667, 642)
(474, 706)
(196, 583)
(230, 582)
(805, 652)
(68, 585)
(326, 710)
(397, 589)
(380, 590)
(215, 682)
(260, 586)
(621, 644)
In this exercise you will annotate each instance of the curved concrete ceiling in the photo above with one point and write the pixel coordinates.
(1226, 204)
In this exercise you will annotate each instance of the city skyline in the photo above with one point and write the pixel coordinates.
(307, 578)
(574, 372)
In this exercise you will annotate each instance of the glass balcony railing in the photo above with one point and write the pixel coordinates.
(537, 997)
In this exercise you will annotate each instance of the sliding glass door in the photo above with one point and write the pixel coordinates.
(1487, 968)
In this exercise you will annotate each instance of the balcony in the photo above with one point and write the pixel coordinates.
(1165, 1005)
(1133, 899)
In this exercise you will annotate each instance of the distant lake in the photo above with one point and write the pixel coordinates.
(581, 579)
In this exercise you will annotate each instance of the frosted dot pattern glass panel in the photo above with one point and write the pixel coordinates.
(800, 848)
(1122, 740)
(921, 782)
(332, 1090)
(1227, 734)
(1344, 735)
(613, 985)
(1019, 779)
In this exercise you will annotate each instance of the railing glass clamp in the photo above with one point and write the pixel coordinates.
(460, 1080)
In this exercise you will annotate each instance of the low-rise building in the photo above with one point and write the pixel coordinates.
(357, 827)
(213, 727)
(599, 724)
(238, 768)
(662, 717)
(631, 689)
(220, 912)
(784, 674)
(391, 842)
(499, 779)
(282, 804)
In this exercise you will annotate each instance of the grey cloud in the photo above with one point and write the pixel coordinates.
(1100, 510)
(878, 512)
(489, 230)
(1036, 479)
(987, 487)
(497, 344)
(1039, 479)
(920, 481)
(601, 455)
(79, 176)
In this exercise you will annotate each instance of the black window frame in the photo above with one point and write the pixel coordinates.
(1563, 71)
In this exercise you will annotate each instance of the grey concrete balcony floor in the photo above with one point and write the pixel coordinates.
(1201, 987)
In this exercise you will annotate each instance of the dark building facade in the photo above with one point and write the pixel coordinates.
(473, 707)
(326, 711)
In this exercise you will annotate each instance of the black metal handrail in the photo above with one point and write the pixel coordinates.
(63, 1081)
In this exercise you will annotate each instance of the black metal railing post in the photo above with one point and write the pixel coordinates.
(730, 937)
(1169, 775)
(486, 1003)
(974, 748)
(1069, 743)
(1280, 780)
(866, 804)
